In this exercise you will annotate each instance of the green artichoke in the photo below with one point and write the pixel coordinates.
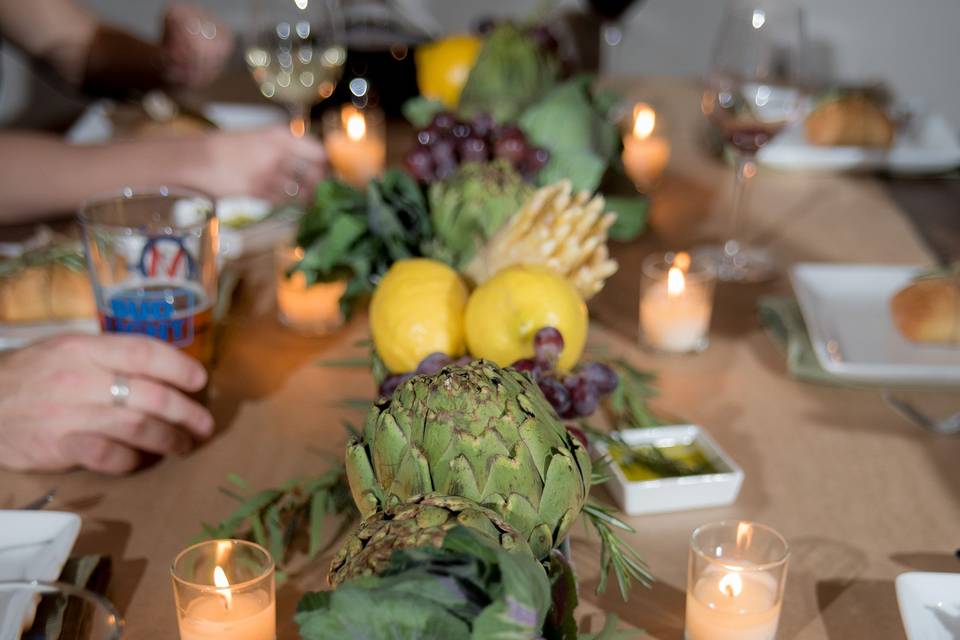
(471, 205)
(476, 431)
(421, 523)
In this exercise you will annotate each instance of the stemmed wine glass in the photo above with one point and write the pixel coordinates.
(295, 52)
(755, 87)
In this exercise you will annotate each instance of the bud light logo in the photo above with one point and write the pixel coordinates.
(153, 313)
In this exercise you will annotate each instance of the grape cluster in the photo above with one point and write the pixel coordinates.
(573, 395)
(447, 142)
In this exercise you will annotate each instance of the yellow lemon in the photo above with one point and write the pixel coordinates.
(443, 67)
(506, 311)
(417, 309)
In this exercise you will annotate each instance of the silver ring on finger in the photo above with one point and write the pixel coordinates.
(120, 390)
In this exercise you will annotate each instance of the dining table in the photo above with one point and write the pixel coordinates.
(860, 494)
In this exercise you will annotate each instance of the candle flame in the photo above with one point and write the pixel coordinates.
(356, 126)
(682, 261)
(675, 282)
(644, 120)
(744, 534)
(731, 585)
(223, 585)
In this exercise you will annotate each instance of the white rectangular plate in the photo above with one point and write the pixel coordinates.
(34, 545)
(676, 494)
(846, 309)
(930, 145)
(929, 605)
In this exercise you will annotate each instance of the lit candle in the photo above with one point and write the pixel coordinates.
(355, 144)
(225, 589)
(313, 309)
(675, 310)
(733, 605)
(645, 154)
(735, 583)
(244, 616)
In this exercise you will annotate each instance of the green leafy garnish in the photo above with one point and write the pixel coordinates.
(356, 235)
(574, 125)
(468, 588)
(631, 217)
(615, 554)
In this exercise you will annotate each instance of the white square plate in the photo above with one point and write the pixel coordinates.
(664, 495)
(34, 545)
(929, 605)
(847, 312)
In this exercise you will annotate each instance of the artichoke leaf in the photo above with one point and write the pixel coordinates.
(363, 484)
(389, 446)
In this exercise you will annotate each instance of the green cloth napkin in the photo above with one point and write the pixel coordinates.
(783, 321)
(55, 620)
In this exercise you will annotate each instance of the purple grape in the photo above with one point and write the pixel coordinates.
(444, 152)
(473, 149)
(419, 164)
(548, 344)
(390, 383)
(601, 376)
(427, 136)
(535, 159)
(510, 149)
(578, 433)
(483, 125)
(443, 121)
(463, 360)
(556, 394)
(509, 131)
(462, 130)
(433, 363)
(527, 365)
(584, 397)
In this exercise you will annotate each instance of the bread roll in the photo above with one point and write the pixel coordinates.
(852, 120)
(46, 293)
(928, 310)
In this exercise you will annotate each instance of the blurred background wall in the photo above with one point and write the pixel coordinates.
(913, 45)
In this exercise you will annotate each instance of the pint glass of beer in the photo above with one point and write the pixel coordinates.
(151, 254)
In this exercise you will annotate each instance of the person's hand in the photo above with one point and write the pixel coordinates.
(267, 163)
(196, 45)
(58, 409)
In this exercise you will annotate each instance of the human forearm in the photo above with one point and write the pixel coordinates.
(45, 176)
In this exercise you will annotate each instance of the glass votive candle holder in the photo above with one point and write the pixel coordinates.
(356, 143)
(309, 309)
(225, 589)
(676, 302)
(646, 149)
(735, 582)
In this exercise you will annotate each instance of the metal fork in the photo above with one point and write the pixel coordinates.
(40, 502)
(947, 426)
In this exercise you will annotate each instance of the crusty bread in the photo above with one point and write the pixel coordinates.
(928, 310)
(851, 120)
(46, 293)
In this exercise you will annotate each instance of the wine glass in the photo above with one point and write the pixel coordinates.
(295, 52)
(56, 609)
(755, 87)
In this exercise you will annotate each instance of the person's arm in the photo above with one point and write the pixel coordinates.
(58, 32)
(104, 60)
(42, 175)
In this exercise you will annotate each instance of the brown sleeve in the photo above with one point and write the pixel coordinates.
(119, 64)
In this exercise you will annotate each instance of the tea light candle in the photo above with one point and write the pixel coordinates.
(313, 309)
(733, 605)
(244, 616)
(675, 310)
(645, 152)
(355, 144)
(735, 583)
(225, 589)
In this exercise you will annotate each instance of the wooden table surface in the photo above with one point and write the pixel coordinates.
(860, 494)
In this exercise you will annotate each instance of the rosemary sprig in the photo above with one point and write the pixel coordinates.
(616, 554)
(627, 405)
(278, 518)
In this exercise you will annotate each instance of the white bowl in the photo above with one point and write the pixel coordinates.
(663, 495)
